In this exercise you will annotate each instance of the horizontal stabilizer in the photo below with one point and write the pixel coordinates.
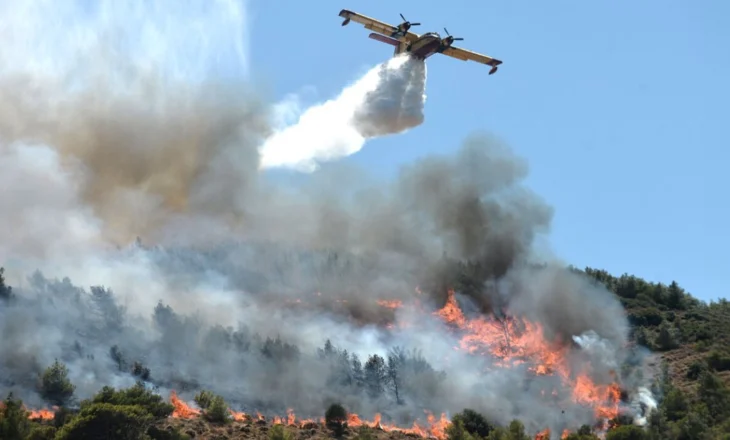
(384, 39)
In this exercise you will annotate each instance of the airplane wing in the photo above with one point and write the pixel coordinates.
(377, 26)
(466, 55)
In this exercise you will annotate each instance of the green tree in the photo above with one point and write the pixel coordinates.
(675, 405)
(56, 388)
(714, 394)
(14, 424)
(665, 340)
(693, 427)
(375, 373)
(675, 296)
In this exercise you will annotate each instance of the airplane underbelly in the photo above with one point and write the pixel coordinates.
(425, 50)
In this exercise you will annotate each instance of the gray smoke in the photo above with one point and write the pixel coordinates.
(239, 280)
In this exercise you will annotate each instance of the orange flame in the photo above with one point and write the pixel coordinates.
(239, 416)
(182, 410)
(391, 304)
(436, 428)
(43, 414)
(512, 341)
(516, 341)
(36, 414)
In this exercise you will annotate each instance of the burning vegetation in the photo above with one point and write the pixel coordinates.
(392, 388)
(387, 306)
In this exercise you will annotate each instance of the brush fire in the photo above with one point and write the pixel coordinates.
(243, 278)
(502, 342)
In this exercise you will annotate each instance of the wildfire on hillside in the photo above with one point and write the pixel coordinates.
(436, 428)
(516, 341)
(511, 341)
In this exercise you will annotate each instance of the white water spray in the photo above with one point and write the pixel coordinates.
(389, 99)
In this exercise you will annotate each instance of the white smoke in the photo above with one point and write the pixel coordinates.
(389, 99)
(71, 71)
(643, 404)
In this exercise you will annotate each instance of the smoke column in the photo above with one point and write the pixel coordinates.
(389, 99)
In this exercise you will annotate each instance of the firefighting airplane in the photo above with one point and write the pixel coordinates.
(418, 46)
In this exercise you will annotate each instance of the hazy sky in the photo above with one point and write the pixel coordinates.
(617, 106)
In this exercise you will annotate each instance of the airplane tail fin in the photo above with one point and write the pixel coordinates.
(384, 39)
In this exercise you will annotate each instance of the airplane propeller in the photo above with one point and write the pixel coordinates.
(407, 23)
(452, 38)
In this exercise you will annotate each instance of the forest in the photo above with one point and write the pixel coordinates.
(690, 335)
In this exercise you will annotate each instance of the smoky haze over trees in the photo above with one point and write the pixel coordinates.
(248, 319)
(241, 279)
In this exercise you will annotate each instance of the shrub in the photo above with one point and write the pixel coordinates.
(217, 411)
(583, 433)
(203, 399)
(107, 421)
(457, 431)
(675, 405)
(42, 432)
(14, 424)
(695, 370)
(364, 433)
(336, 419)
(648, 316)
(666, 339)
(627, 432)
(137, 395)
(170, 433)
(61, 417)
(278, 432)
(474, 423)
(718, 362)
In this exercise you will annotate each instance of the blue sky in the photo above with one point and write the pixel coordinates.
(617, 106)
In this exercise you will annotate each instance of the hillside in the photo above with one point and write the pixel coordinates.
(691, 337)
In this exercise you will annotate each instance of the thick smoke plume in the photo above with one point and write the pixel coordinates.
(238, 282)
(389, 99)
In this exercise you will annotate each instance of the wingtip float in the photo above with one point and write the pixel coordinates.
(418, 46)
